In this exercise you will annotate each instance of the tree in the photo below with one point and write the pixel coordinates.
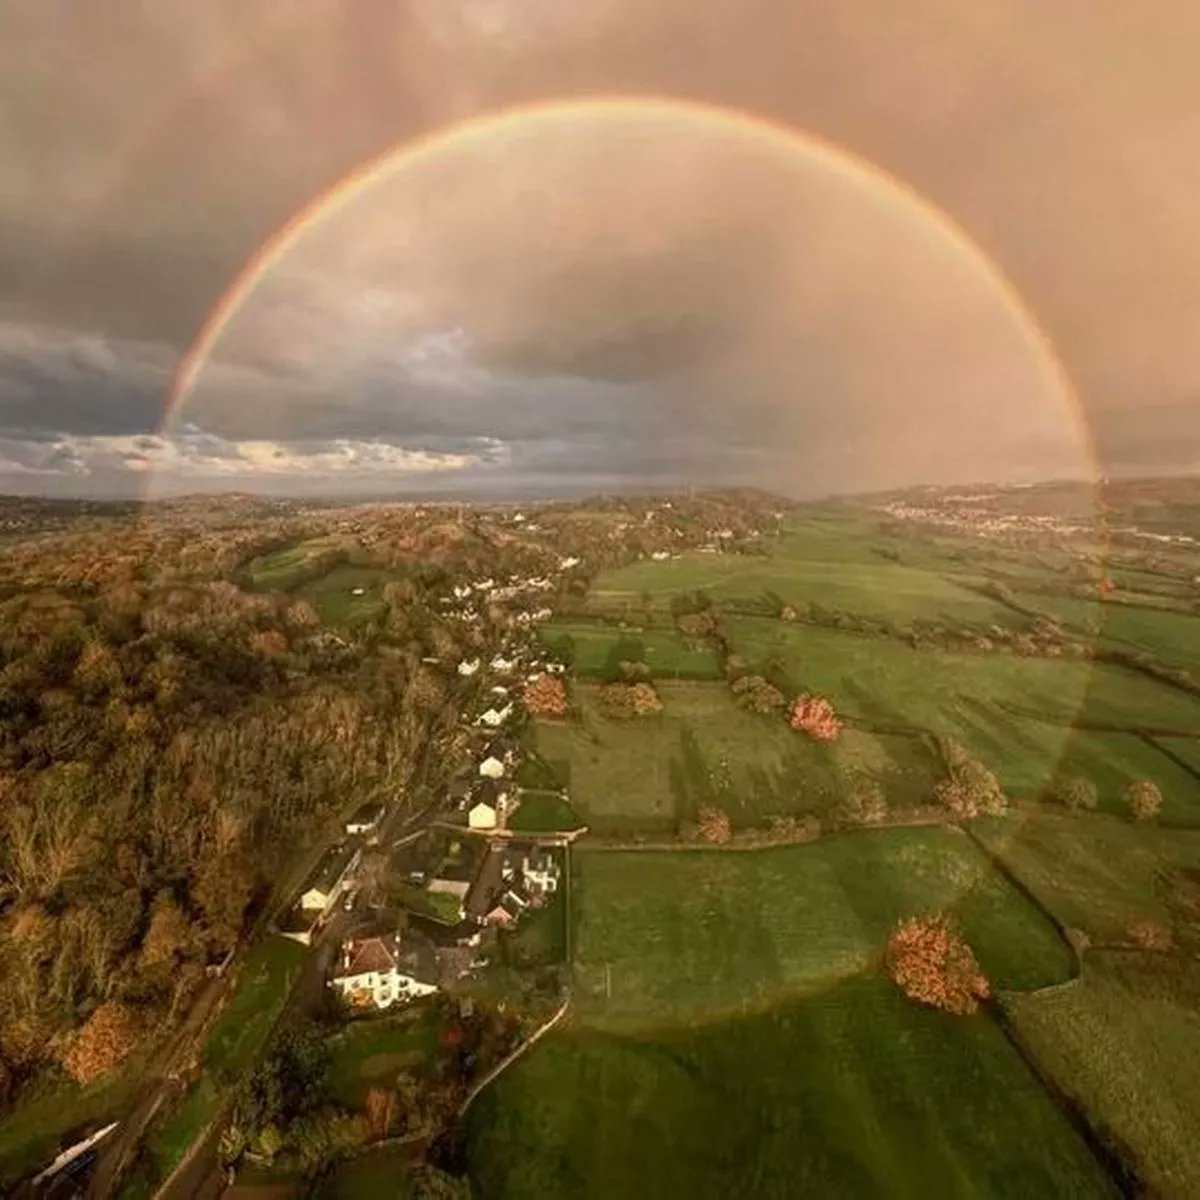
(1076, 793)
(714, 825)
(380, 1108)
(932, 964)
(629, 700)
(1148, 934)
(814, 716)
(1144, 800)
(698, 624)
(168, 935)
(755, 693)
(102, 1044)
(546, 696)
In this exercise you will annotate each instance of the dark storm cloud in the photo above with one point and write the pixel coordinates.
(147, 153)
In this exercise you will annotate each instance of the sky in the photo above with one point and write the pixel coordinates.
(971, 250)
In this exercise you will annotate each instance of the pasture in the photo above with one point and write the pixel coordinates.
(332, 594)
(649, 774)
(783, 922)
(733, 1036)
(1124, 1043)
(596, 650)
(1095, 873)
(374, 1051)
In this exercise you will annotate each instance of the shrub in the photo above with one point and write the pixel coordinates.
(1076, 793)
(1149, 935)
(629, 700)
(814, 715)
(1144, 800)
(969, 788)
(698, 624)
(931, 963)
(713, 825)
(866, 805)
(755, 693)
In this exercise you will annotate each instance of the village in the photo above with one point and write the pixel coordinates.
(430, 910)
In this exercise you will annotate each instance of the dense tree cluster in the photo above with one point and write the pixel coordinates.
(756, 694)
(929, 961)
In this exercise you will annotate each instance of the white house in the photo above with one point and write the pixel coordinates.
(567, 563)
(358, 591)
(500, 663)
(330, 878)
(468, 666)
(482, 816)
(365, 819)
(373, 973)
(659, 555)
(494, 717)
(491, 768)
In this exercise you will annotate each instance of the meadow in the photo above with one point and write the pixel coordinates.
(733, 1036)
(1124, 1043)
(652, 773)
(372, 1052)
(651, 925)
(596, 650)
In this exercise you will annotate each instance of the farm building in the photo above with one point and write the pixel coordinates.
(482, 816)
(491, 768)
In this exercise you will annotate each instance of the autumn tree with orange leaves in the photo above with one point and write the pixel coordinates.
(814, 715)
(546, 696)
(102, 1043)
(931, 963)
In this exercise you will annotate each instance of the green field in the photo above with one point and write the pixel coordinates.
(787, 921)
(1124, 1042)
(378, 1175)
(332, 594)
(374, 1051)
(799, 570)
(854, 1092)
(732, 1036)
(283, 569)
(597, 650)
(1093, 872)
(543, 812)
(651, 773)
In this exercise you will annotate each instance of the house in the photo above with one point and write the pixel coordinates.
(482, 816)
(500, 663)
(365, 819)
(468, 667)
(491, 768)
(565, 564)
(358, 591)
(507, 910)
(660, 555)
(494, 717)
(329, 880)
(300, 925)
(379, 971)
(500, 690)
(531, 872)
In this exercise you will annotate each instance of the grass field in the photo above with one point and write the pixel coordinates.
(596, 650)
(1125, 1043)
(543, 812)
(855, 1092)
(783, 922)
(264, 982)
(1186, 750)
(379, 1175)
(651, 773)
(1093, 872)
(732, 1037)
(371, 1052)
(876, 588)
(332, 594)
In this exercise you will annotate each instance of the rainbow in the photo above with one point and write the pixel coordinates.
(774, 136)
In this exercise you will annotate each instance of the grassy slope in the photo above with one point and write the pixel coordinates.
(1095, 873)
(828, 1083)
(854, 1092)
(1125, 1043)
(332, 595)
(598, 649)
(652, 772)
